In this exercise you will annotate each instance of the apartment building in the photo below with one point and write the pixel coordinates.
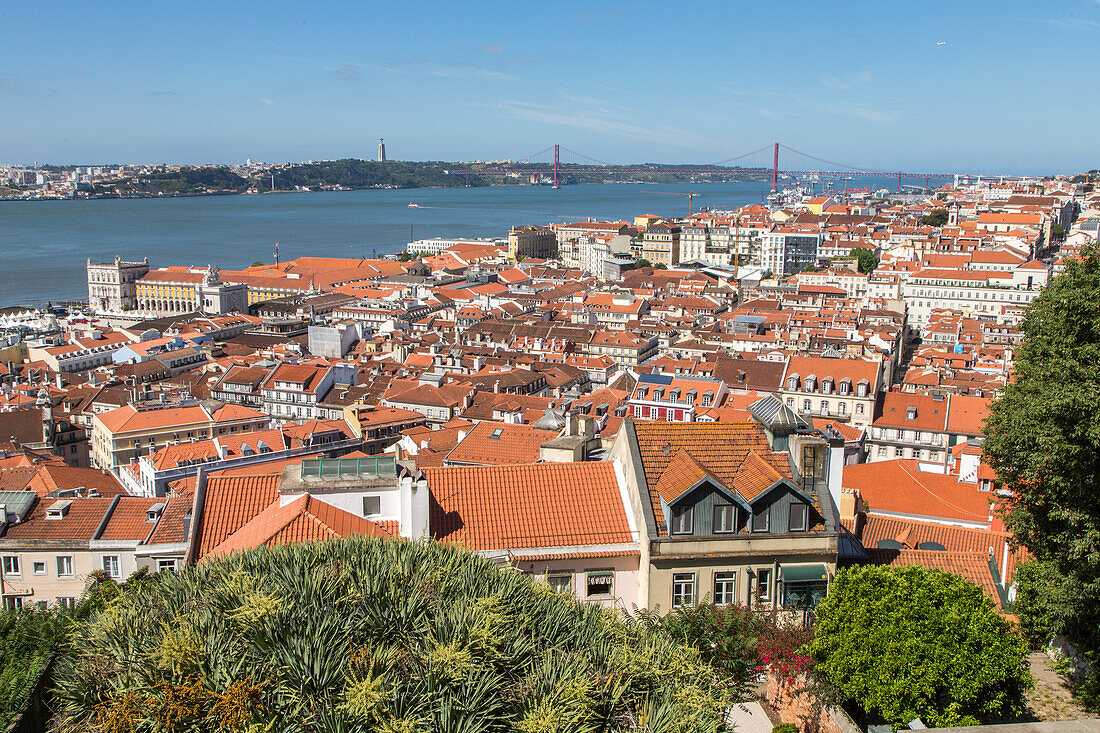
(675, 397)
(49, 547)
(661, 244)
(295, 391)
(121, 436)
(723, 516)
(973, 292)
(841, 389)
(911, 426)
(789, 249)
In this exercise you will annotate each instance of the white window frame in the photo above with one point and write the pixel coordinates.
(764, 583)
(725, 588)
(12, 566)
(554, 578)
(680, 583)
(112, 563)
(67, 561)
(167, 563)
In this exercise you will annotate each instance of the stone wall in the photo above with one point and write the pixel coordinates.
(794, 703)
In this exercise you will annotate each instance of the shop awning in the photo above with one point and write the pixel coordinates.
(803, 573)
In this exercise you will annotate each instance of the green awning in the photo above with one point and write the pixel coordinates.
(803, 573)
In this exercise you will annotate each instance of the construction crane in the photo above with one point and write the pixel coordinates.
(690, 197)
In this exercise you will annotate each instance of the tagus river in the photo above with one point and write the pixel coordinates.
(45, 244)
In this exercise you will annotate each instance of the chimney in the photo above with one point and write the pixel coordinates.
(414, 508)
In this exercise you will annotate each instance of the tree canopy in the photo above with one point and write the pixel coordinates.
(935, 218)
(867, 260)
(370, 634)
(1043, 440)
(912, 642)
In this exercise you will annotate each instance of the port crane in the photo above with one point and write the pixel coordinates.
(690, 197)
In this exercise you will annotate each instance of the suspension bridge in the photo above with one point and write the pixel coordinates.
(764, 162)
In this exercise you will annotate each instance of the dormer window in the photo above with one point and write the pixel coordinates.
(910, 413)
(792, 383)
(154, 512)
(826, 386)
(861, 389)
(845, 387)
(708, 397)
(682, 520)
(58, 509)
(810, 382)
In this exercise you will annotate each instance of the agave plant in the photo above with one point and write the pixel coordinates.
(371, 634)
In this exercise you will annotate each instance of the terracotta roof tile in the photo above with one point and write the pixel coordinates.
(719, 448)
(500, 444)
(528, 506)
(899, 486)
(230, 502)
(79, 522)
(306, 519)
(174, 525)
(974, 566)
(129, 520)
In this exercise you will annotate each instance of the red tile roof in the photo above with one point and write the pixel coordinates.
(130, 519)
(900, 487)
(500, 444)
(230, 503)
(79, 522)
(306, 519)
(528, 506)
(720, 449)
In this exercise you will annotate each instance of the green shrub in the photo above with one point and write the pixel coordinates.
(785, 728)
(26, 640)
(912, 642)
(368, 634)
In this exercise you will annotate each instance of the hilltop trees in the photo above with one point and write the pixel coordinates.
(374, 635)
(912, 642)
(935, 218)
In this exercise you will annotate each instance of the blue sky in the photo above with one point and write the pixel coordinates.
(1009, 90)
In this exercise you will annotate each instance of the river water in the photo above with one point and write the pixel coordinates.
(45, 244)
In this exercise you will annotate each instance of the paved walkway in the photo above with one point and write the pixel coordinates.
(749, 717)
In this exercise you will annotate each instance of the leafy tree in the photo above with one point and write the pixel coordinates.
(1040, 600)
(371, 634)
(405, 256)
(866, 258)
(1043, 440)
(642, 262)
(913, 642)
(257, 263)
(1058, 231)
(660, 266)
(935, 218)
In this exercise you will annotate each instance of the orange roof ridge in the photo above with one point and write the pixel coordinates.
(755, 476)
(683, 472)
